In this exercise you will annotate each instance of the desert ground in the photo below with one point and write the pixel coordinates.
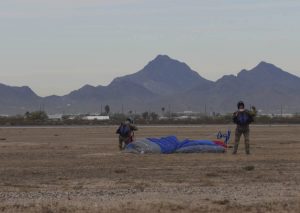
(79, 169)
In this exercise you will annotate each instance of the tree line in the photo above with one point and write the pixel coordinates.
(41, 118)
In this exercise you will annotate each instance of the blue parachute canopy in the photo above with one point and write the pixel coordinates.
(170, 144)
(167, 144)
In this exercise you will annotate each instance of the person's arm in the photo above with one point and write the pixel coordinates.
(234, 117)
(118, 130)
(133, 127)
(253, 111)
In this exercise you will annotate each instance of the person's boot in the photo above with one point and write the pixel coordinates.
(121, 146)
(247, 149)
(235, 148)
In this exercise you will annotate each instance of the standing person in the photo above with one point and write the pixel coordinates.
(242, 118)
(126, 133)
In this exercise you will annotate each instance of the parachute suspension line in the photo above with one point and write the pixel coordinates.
(225, 136)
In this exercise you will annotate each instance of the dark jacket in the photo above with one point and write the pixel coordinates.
(244, 118)
(129, 137)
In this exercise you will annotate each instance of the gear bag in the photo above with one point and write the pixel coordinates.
(124, 130)
(243, 118)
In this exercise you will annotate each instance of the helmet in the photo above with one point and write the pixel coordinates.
(240, 103)
(130, 120)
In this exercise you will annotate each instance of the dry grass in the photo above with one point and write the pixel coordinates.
(81, 170)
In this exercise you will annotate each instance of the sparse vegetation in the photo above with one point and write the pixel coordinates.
(38, 116)
(249, 168)
(83, 171)
(41, 118)
(107, 109)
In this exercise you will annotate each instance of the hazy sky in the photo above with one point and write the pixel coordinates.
(55, 46)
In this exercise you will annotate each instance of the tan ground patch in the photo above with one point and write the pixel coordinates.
(81, 170)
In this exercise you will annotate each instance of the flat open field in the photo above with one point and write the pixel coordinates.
(80, 169)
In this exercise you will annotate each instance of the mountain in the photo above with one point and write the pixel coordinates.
(140, 91)
(166, 82)
(116, 94)
(17, 99)
(166, 76)
(266, 86)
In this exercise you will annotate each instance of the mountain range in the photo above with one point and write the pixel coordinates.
(169, 83)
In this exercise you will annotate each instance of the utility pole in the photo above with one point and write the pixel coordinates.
(281, 110)
(205, 109)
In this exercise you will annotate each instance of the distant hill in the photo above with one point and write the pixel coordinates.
(265, 86)
(14, 100)
(165, 76)
(165, 82)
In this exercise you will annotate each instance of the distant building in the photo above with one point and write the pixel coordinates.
(161, 118)
(184, 117)
(189, 112)
(284, 115)
(96, 117)
(55, 116)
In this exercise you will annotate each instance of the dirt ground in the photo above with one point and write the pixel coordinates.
(80, 169)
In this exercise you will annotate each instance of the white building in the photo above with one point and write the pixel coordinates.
(96, 117)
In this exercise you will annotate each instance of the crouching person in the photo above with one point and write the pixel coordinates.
(126, 133)
(242, 118)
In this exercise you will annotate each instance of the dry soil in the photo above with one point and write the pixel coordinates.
(80, 169)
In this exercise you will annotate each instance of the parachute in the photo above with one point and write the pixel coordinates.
(170, 144)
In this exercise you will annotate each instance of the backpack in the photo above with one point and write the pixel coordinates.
(243, 118)
(124, 130)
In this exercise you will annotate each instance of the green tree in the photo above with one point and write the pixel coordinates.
(107, 109)
(153, 116)
(163, 110)
(145, 115)
(36, 116)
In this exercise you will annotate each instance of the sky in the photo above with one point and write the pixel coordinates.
(56, 46)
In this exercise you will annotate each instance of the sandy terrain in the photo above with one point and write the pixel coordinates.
(81, 170)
